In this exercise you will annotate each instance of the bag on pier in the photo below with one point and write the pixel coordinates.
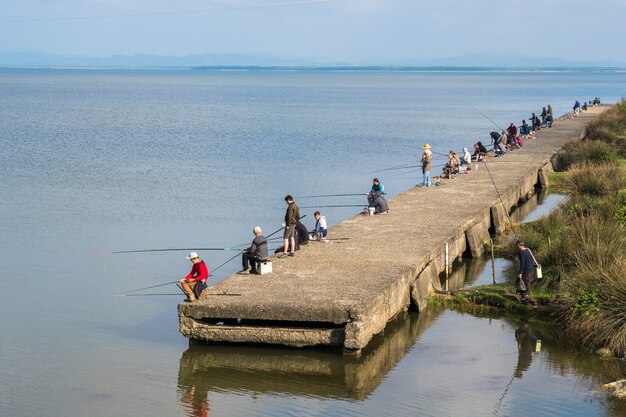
(538, 271)
(198, 288)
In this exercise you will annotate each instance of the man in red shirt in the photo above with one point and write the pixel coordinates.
(198, 276)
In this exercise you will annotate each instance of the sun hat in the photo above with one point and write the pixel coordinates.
(426, 146)
(192, 255)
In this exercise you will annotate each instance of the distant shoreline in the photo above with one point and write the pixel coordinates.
(381, 69)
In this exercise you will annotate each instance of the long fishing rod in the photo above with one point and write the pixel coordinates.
(499, 196)
(161, 250)
(328, 195)
(124, 294)
(157, 294)
(335, 206)
(486, 117)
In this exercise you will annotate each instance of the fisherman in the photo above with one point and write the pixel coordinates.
(526, 270)
(544, 117)
(467, 159)
(292, 216)
(452, 167)
(379, 203)
(427, 164)
(496, 141)
(195, 281)
(577, 108)
(257, 252)
(480, 152)
(302, 235)
(536, 124)
(376, 187)
(512, 131)
(524, 129)
(321, 229)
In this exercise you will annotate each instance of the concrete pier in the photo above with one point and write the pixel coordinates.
(344, 293)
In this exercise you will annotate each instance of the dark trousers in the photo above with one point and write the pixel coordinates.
(527, 277)
(249, 260)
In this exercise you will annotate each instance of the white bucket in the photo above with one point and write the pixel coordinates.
(371, 210)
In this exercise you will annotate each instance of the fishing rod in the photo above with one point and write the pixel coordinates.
(161, 250)
(500, 197)
(334, 206)
(156, 294)
(486, 117)
(328, 195)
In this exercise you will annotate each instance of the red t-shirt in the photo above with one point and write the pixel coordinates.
(199, 272)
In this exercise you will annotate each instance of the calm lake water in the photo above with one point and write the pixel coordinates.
(97, 161)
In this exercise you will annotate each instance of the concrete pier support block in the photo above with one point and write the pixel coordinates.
(421, 289)
(543, 173)
(478, 234)
(498, 218)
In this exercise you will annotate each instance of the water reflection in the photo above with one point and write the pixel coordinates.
(539, 204)
(497, 366)
(301, 372)
(476, 271)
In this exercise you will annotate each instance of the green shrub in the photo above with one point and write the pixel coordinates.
(595, 297)
(590, 152)
(595, 180)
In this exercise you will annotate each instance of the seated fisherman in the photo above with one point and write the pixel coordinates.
(302, 235)
(376, 186)
(321, 229)
(452, 167)
(195, 281)
(379, 203)
(257, 252)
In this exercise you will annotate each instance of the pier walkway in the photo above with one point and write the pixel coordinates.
(343, 293)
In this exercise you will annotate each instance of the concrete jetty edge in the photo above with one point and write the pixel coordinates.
(345, 292)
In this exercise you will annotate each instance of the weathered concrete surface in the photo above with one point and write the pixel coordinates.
(388, 261)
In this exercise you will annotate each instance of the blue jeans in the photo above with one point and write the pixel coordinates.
(426, 177)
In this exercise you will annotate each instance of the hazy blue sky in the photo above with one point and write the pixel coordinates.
(341, 30)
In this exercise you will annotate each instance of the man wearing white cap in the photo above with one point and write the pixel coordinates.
(198, 276)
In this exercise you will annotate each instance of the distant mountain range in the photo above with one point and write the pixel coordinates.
(42, 60)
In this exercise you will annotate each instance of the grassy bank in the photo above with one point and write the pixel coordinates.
(582, 244)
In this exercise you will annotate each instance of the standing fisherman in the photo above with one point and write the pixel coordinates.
(427, 164)
(257, 252)
(292, 216)
(526, 270)
(196, 278)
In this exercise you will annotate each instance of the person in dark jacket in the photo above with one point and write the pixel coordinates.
(292, 216)
(536, 123)
(379, 203)
(302, 235)
(544, 117)
(480, 152)
(526, 270)
(257, 252)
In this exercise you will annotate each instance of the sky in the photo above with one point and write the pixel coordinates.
(326, 31)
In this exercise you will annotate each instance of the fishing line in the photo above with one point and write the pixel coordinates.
(486, 117)
(499, 196)
(170, 13)
(161, 250)
(335, 206)
(328, 195)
